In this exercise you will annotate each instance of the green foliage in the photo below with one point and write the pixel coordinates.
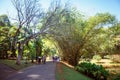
(9, 53)
(96, 72)
(84, 37)
(4, 20)
(5, 38)
(97, 57)
(32, 50)
(49, 46)
(75, 36)
(53, 51)
(4, 41)
(12, 31)
(116, 77)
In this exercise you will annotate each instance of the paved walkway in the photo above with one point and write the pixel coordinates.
(37, 72)
(5, 71)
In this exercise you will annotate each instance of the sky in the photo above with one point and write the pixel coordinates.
(87, 7)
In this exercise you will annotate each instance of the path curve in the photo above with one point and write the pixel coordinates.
(5, 71)
(37, 72)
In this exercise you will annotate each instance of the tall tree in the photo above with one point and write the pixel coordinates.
(80, 37)
(29, 14)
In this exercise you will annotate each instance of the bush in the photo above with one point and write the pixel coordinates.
(92, 70)
(117, 77)
(97, 57)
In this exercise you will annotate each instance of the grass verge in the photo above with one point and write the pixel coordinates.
(12, 64)
(63, 72)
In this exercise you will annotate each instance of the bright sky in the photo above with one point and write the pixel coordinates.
(88, 7)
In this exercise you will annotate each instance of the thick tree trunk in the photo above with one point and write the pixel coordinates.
(18, 59)
(74, 59)
(20, 50)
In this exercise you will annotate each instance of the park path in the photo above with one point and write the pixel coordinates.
(36, 72)
(5, 71)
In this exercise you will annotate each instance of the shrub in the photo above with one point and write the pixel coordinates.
(117, 77)
(92, 70)
(97, 57)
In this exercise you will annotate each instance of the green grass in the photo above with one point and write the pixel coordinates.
(12, 64)
(69, 74)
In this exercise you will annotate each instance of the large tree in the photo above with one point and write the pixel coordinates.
(29, 14)
(83, 37)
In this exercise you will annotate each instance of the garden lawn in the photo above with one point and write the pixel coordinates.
(12, 64)
(63, 72)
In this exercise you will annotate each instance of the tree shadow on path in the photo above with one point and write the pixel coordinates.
(36, 72)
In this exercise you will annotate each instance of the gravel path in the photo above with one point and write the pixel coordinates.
(37, 72)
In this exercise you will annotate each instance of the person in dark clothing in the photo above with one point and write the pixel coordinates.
(39, 60)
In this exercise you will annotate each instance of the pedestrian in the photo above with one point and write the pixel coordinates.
(53, 58)
(36, 59)
(58, 59)
(39, 60)
(44, 59)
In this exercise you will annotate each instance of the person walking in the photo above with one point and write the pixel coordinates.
(39, 60)
(44, 59)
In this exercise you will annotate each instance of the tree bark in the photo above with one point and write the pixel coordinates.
(20, 50)
(18, 59)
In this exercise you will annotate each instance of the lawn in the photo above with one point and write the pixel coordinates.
(12, 64)
(63, 72)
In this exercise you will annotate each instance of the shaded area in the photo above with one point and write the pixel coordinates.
(12, 64)
(36, 72)
(5, 71)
